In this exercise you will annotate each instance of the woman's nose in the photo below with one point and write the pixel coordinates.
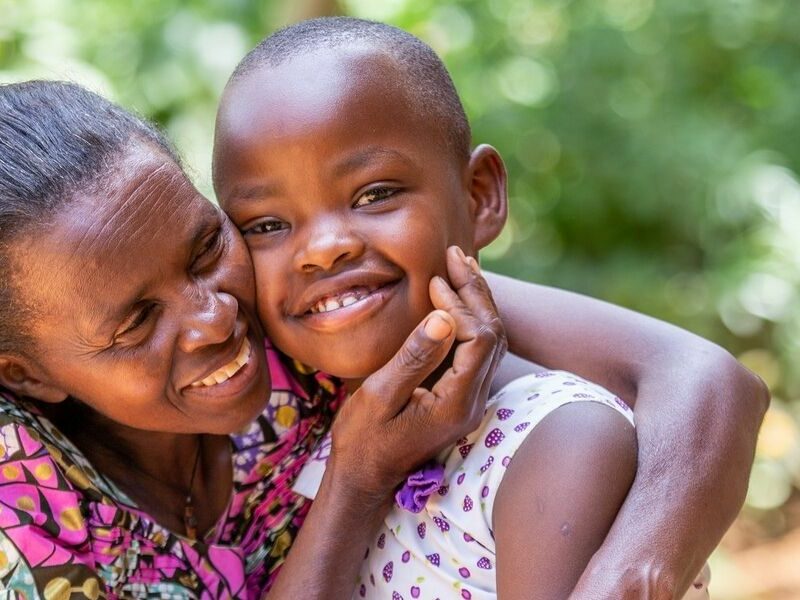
(210, 320)
(327, 244)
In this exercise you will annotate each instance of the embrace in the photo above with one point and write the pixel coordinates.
(305, 392)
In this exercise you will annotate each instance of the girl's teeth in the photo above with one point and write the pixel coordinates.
(330, 304)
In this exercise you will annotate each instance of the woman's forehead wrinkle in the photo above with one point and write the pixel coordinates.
(141, 215)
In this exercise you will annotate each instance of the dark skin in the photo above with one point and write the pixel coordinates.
(368, 219)
(163, 360)
(270, 154)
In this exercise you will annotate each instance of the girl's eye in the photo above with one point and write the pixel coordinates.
(136, 320)
(374, 195)
(265, 226)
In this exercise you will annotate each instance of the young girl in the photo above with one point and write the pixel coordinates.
(344, 159)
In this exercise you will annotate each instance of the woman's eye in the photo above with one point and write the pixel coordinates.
(267, 226)
(136, 320)
(374, 195)
(209, 252)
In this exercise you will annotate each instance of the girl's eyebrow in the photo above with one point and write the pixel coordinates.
(353, 162)
(365, 157)
(255, 191)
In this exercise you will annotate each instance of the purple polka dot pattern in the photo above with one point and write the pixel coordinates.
(495, 437)
(442, 524)
(447, 551)
(504, 413)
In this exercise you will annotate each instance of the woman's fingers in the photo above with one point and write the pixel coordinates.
(424, 350)
(468, 282)
(459, 397)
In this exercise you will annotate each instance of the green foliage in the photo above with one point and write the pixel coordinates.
(652, 145)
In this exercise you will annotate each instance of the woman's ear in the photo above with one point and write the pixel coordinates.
(488, 194)
(17, 375)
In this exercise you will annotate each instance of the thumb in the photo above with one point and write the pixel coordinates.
(421, 353)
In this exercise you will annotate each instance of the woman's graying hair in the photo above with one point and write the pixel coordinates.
(56, 138)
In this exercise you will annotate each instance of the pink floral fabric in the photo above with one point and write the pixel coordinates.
(67, 532)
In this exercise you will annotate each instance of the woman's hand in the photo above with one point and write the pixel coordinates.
(412, 423)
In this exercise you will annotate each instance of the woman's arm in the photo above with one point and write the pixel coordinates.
(697, 415)
(412, 425)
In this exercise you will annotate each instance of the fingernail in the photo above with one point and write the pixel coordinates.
(440, 281)
(473, 264)
(437, 328)
(461, 254)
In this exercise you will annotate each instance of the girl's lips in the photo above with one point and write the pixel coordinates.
(343, 310)
(341, 299)
(315, 295)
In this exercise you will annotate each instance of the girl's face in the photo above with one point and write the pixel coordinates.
(142, 298)
(347, 200)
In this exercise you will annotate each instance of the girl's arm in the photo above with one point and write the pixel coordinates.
(558, 499)
(697, 415)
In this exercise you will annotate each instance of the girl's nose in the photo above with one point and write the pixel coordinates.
(210, 320)
(328, 243)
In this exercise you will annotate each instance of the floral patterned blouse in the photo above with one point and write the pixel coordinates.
(66, 532)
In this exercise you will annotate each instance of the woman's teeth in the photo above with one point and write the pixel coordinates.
(336, 302)
(229, 370)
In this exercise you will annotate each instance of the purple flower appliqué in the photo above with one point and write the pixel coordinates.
(414, 493)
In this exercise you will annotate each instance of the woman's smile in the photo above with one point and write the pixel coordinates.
(227, 371)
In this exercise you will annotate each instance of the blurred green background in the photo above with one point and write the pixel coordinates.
(653, 149)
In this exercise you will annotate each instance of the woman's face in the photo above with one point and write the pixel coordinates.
(142, 303)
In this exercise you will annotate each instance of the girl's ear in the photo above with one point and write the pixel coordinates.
(488, 194)
(17, 375)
